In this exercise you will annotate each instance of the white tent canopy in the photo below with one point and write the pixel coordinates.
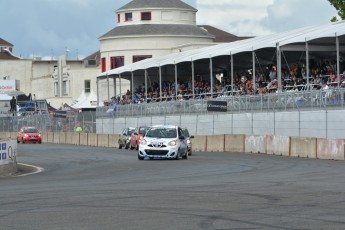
(86, 102)
(300, 35)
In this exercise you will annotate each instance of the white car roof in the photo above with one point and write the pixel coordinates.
(164, 126)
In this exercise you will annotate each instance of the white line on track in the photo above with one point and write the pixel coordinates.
(38, 170)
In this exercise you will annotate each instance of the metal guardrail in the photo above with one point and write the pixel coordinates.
(275, 102)
(286, 101)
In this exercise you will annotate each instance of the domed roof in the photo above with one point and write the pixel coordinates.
(158, 29)
(144, 4)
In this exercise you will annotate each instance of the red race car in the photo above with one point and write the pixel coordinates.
(29, 134)
(138, 134)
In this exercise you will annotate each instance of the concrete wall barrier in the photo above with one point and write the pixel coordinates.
(62, 138)
(113, 140)
(103, 140)
(50, 137)
(44, 137)
(255, 144)
(215, 143)
(234, 143)
(69, 138)
(13, 135)
(92, 139)
(75, 138)
(330, 149)
(8, 157)
(56, 138)
(278, 145)
(199, 143)
(83, 139)
(303, 147)
(7, 135)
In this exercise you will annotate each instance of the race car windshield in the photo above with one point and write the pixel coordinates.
(30, 130)
(162, 133)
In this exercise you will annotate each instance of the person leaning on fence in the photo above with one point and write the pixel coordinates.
(79, 129)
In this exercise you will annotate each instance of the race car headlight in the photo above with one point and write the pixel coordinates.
(172, 143)
(143, 142)
(26, 135)
(188, 142)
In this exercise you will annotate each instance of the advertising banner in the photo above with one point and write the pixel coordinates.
(217, 106)
(8, 152)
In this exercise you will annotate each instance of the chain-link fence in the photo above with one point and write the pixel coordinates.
(57, 122)
(106, 119)
(287, 101)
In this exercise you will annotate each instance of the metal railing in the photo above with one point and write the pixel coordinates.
(286, 101)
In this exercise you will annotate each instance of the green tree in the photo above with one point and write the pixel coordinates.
(340, 7)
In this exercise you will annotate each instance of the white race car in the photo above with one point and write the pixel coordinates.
(163, 142)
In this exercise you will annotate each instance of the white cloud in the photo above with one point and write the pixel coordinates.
(259, 17)
(240, 17)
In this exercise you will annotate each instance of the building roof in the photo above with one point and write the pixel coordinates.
(158, 29)
(4, 43)
(144, 4)
(5, 55)
(95, 56)
(220, 35)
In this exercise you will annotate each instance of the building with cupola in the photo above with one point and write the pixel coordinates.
(144, 29)
(153, 28)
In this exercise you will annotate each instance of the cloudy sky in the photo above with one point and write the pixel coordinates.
(45, 28)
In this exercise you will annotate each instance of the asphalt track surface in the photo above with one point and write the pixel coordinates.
(103, 188)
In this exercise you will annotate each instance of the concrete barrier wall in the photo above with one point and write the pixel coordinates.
(113, 140)
(75, 138)
(330, 149)
(50, 138)
(234, 143)
(278, 145)
(44, 137)
(255, 144)
(8, 157)
(69, 138)
(215, 143)
(303, 147)
(92, 139)
(13, 135)
(62, 138)
(199, 144)
(83, 139)
(56, 138)
(103, 140)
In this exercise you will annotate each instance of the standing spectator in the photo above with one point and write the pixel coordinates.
(29, 97)
(13, 103)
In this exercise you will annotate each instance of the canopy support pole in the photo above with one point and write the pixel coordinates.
(193, 77)
(279, 68)
(307, 61)
(160, 83)
(338, 59)
(232, 73)
(132, 85)
(253, 72)
(211, 78)
(145, 85)
(120, 85)
(175, 82)
(114, 79)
